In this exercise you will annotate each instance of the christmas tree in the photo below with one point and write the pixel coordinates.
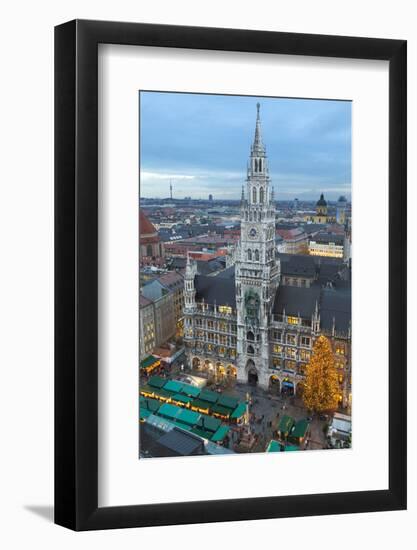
(321, 391)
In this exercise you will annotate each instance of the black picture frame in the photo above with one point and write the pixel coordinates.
(76, 272)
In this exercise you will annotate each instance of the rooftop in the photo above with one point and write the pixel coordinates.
(297, 301)
(218, 289)
(146, 227)
(326, 238)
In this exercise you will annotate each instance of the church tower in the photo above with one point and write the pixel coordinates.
(257, 270)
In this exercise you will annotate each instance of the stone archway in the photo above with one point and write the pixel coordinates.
(252, 373)
(208, 366)
(274, 384)
(287, 387)
(252, 377)
(220, 371)
(231, 371)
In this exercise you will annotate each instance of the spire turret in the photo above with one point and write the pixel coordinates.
(258, 148)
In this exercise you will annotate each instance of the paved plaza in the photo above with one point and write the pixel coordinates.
(266, 410)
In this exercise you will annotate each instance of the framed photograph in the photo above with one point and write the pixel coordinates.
(230, 337)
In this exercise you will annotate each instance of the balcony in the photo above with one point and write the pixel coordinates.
(210, 311)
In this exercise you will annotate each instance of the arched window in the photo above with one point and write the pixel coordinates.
(257, 255)
(250, 336)
(250, 255)
(251, 350)
(261, 195)
(254, 195)
(260, 165)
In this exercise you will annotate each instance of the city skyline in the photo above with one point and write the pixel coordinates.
(237, 326)
(200, 142)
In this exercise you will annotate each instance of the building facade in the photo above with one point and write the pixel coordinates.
(327, 245)
(151, 249)
(246, 321)
(294, 241)
(174, 282)
(164, 310)
(147, 333)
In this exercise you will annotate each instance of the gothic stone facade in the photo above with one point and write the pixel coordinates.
(243, 323)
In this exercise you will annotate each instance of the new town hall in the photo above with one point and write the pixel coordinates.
(249, 322)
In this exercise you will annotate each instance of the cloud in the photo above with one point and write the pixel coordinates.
(145, 176)
(202, 143)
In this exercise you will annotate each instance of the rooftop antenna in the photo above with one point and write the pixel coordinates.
(170, 189)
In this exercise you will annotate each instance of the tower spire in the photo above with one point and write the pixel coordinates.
(258, 146)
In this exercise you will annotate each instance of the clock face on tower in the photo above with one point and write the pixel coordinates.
(252, 233)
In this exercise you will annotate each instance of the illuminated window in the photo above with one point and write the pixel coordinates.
(291, 339)
(277, 348)
(291, 352)
(221, 351)
(209, 347)
(277, 363)
(225, 309)
(304, 355)
(293, 320)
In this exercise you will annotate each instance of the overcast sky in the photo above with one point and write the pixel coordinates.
(202, 143)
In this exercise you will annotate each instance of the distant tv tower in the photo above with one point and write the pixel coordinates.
(170, 189)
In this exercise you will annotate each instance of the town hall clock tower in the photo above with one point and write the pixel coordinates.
(257, 270)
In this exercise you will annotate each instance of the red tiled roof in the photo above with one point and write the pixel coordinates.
(146, 228)
(143, 301)
(290, 234)
(170, 278)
